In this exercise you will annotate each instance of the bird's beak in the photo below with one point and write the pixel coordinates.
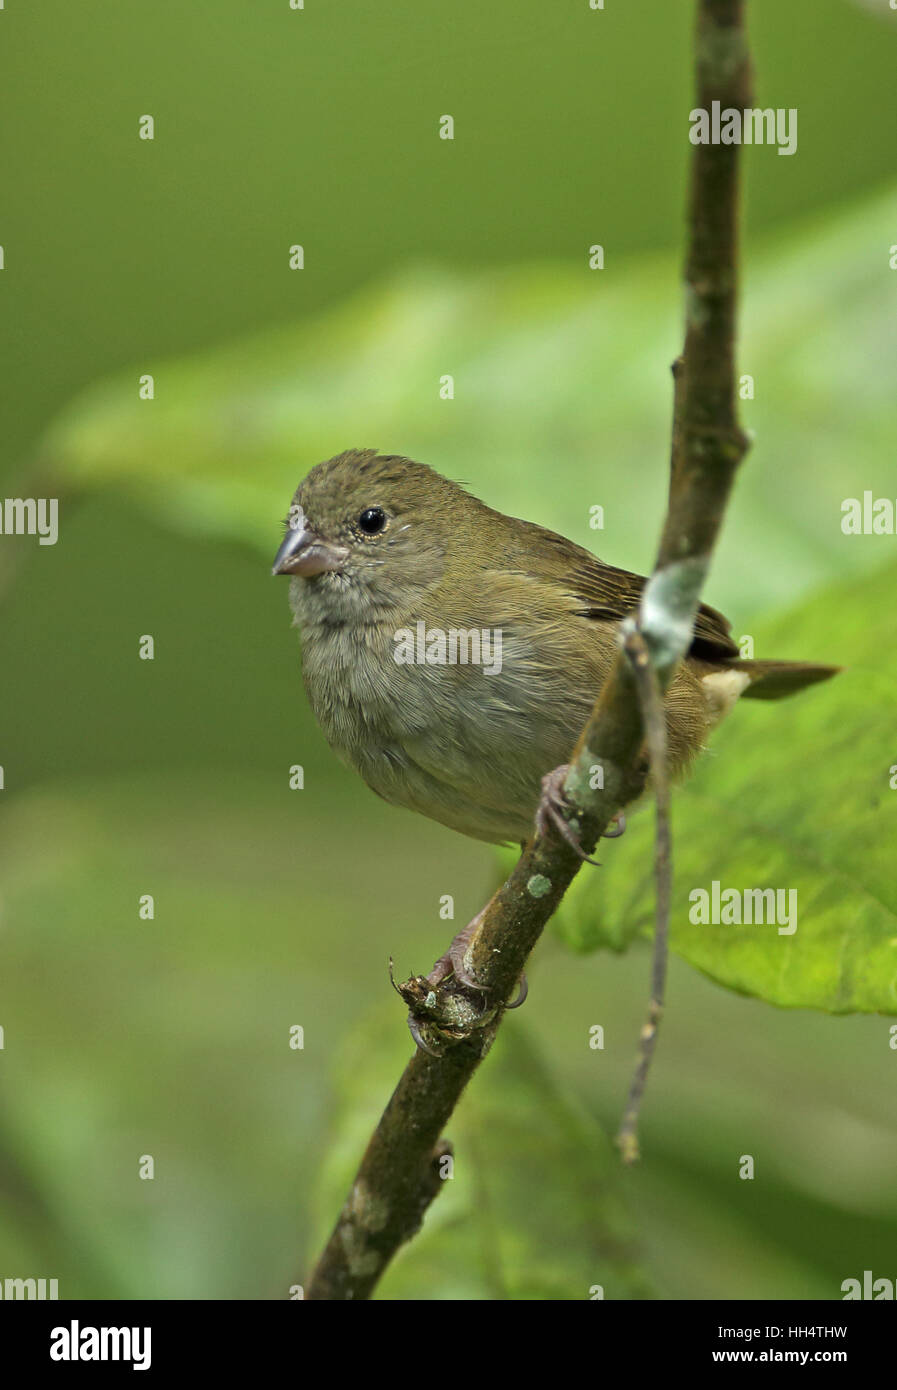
(304, 553)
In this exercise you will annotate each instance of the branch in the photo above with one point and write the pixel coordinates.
(651, 701)
(398, 1176)
(707, 447)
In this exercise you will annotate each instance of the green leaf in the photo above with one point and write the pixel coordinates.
(792, 795)
(534, 1209)
(562, 397)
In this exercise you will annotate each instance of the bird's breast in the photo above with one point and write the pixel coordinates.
(464, 741)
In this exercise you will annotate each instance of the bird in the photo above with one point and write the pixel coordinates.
(388, 559)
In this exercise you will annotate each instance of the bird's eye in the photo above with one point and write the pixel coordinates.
(372, 520)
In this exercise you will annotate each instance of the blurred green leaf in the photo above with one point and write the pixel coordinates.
(793, 795)
(516, 1133)
(562, 401)
(126, 1036)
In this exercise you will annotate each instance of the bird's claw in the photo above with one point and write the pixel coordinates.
(551, 808)
(550, 811)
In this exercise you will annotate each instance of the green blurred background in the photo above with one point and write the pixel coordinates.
(274, 907)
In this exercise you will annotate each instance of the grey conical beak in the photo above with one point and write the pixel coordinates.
(306, 554)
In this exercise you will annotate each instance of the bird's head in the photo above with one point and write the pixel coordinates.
(367, 535)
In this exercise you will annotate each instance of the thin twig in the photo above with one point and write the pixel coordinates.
(706, 439)
(636, 649)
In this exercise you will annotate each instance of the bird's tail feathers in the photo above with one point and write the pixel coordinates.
(774, 680)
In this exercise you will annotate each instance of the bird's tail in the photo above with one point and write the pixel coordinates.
(774, 680)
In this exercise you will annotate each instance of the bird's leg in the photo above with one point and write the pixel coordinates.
(553, 804)
(452, 963)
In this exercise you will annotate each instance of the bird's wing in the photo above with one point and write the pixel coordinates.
(606, 594)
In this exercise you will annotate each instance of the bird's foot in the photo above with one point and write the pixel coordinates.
(552, 806)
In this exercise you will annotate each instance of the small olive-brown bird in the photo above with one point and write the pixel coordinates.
(452, 654)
